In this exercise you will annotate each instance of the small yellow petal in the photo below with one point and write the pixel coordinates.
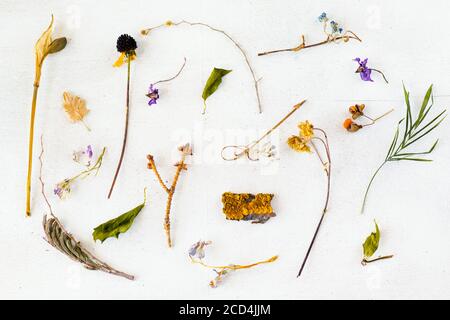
(306, 129)
(120, 60)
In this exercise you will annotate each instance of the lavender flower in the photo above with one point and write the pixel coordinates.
(363, 70)
(153, 94)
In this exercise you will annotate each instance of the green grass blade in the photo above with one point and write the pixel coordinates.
(426, 99)
(394, 141)
(424, 134)
(428, 124)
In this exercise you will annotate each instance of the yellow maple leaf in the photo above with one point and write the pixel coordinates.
(75, 108)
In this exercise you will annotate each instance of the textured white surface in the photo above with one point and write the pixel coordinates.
(406, 39)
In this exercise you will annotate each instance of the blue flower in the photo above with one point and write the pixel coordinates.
(323, 17)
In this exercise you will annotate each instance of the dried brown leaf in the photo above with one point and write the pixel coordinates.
(75, 107)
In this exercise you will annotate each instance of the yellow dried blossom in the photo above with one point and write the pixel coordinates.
(298, 144)
(306, 130)
(246, 206)
(168, 23)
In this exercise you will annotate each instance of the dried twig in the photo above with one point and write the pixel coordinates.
(247, 61)
(64, 242)
(185, 151)
(175, 76)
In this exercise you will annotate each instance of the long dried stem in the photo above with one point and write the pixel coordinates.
(125, 134)
(327, 168)
(31, 140)
(185, 150)
(303, 44)
(247, 60)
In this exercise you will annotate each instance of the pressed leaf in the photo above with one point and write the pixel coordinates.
(43, 44)
(371, 243)
(75, 107)
(214, 80)
(57, 45)
(116, 226)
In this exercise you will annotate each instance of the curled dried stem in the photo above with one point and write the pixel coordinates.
(181, 165)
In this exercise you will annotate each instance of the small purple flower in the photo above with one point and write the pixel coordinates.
(364, 71)
(153, 94)
(62, 189)
(84, 156)
(89, 151)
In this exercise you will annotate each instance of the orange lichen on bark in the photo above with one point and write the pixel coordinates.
(246, 206)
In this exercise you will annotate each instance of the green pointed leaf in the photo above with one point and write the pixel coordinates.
(371, 243)
(214, 80)
(116, 226)
(57, 45)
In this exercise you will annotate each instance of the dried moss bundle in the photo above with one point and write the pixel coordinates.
(248, 207)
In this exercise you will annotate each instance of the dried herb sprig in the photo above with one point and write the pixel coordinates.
(197, 253)
(185, 151)
(334, 34)
(44, 46)
(63, 188)
(126, 45)
(238, 46)
(63, 241)
(413, 131)
(303, 142)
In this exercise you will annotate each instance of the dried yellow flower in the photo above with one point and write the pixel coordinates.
(298, 144)
(75, 107)
(246, 206)
(168, 23)
(306, 130)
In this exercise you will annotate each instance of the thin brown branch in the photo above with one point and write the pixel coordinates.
(303, 44)
(238, 46)
(175, 76)
(181, 165)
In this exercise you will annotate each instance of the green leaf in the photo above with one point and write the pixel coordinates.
(371, 243)
(57, 45)
(116, 226)
(214, 80)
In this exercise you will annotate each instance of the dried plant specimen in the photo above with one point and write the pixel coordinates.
(63, 241)
(75, 108)
(116, 226)
(333, 31)
(232, 152)
(307, 139)
(246, 206)
(170, 23)
(413, 131)
(153, 92)
(365, 72)
(357, 111)
(127, 46)
(44, 46)
(185, 151)
(197, 253)
(213, 83)
(370, 246)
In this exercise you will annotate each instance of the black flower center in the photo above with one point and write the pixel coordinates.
(126, 43)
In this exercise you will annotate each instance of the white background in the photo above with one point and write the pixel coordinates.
(405, 39)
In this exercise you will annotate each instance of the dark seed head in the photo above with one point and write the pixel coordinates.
(126, 43)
